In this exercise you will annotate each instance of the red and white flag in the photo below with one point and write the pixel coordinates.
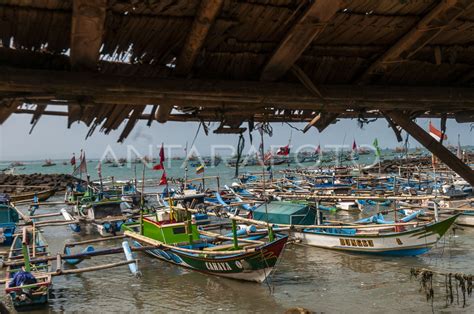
(161, 166)
(163, 180)
(284, 151)
(434, 132)
(99, 168)
(354, 146)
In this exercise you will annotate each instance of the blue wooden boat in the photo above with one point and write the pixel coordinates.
(8, 220)
(28, 286)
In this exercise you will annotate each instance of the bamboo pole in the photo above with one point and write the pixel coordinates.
(62, 272)
(45, 215)
(84, 255)
(92, 268)
(56, 222)
(23, 216)
(219, 236)
(94, 240)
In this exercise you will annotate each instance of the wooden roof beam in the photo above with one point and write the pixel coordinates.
(163, 112)
(403, 120)
(430, 26)
(310, 26)
(206, 15)
(279, 95)
(87, 29)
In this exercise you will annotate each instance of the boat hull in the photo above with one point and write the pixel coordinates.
(466, 219)
(408, 243)
(42, 196)
(253, 266)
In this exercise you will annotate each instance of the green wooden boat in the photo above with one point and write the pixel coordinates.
(179, 242)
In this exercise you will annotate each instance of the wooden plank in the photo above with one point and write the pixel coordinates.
(87, 30)
(305, 31)
(205, 17)
(430, 26)
(432, 145)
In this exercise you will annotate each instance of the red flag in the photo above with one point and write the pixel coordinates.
(163, 180)
(73, 160)
(434, 132)
(162, 154)
(284, 151)
(158, 167)
(354, 146)
(99, 168)
(162, 159)
(318, 150)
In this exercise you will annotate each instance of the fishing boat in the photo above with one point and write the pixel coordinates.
(17, 164)
(28, 286)
(48, 163)
(179, 242)
(105, 216)
(9, 219)
(41, 195)
(398, 240)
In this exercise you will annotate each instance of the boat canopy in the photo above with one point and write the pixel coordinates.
(281, 212)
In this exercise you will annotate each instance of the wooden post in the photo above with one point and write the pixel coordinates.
(318, 213)
(432, 145)
(58, 263)
(26, 256)
(234, 235)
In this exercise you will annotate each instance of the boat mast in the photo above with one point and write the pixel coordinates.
(270, 230)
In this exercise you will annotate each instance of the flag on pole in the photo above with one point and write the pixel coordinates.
(318, 150)
(161, 166)
(284, 151)
(73, 160)
(99, 169)
(435, 133)
(200, 169)
(163, 180)
(82, 165)
(354, 146)
(459, 151)
(377, 148)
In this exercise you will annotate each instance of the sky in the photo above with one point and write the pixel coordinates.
(52, 139)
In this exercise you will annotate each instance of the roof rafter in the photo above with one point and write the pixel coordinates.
(310, 26)
(206, 15)
(430, 26)
(87, 30)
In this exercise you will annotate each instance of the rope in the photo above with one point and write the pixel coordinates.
(195, 135)
(240, 149)
(293, 127)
